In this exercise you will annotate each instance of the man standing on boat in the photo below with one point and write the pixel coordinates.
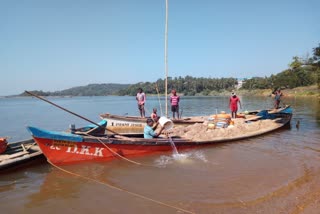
(174, 100)
(233, 104)
(141, 98)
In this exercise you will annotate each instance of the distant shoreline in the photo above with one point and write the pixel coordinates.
(305, 91)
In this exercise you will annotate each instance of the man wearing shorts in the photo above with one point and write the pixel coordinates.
(174, 100)
(141, 98)
(233, 104)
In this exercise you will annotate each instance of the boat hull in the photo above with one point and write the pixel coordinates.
(135, 125)
(63, 152)
(19, 153)
(65, 148)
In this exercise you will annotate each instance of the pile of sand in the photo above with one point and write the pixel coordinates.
(201, 132)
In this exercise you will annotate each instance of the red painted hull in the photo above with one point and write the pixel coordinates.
(65, 152)
(3, 145)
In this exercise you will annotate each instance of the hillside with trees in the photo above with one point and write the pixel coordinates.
(89, 90)
(188, 85)
(301, 72)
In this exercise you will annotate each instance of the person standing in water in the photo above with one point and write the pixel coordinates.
(233, 104)
(174, 100)
(141, 98)
(277, 98)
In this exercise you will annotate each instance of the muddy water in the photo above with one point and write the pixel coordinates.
(274, 173)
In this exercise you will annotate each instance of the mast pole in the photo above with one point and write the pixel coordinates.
(166, 58)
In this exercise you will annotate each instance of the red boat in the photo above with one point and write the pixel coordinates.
(63, 148)
(3, 145)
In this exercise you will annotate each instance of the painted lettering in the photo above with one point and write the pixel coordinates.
(136, 125)
(128, 124)
(63, 143)
(54, 147)
(73, 149)
(122, 124)
(85, 150)
(98, 152)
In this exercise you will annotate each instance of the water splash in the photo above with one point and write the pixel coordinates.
(181, 158)
(176, 154)
(174, 148)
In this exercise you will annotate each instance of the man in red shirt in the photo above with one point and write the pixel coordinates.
(174, 100)
(233, 104)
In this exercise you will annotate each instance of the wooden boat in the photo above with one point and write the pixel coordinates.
(18, 153)
(135, 125)
(64, 148)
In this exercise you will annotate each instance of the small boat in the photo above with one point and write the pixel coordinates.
(18, 153)
(135, 125)
(65, 148)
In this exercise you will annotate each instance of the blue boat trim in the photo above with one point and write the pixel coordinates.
(287, 110)
(41, 133)
(102, 123)
(265, 115)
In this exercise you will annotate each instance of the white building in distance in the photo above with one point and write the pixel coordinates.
(240, 82)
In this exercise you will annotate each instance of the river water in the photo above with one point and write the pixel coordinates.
(274, 173)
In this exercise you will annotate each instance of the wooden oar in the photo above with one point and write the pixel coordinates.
(41, 98)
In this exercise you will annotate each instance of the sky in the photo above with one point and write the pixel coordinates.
(52, 45)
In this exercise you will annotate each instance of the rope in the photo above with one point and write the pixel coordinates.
(166, 58)
(64, 109)
(147, 112)
(121, 189)
(157, 89)
(116, 154)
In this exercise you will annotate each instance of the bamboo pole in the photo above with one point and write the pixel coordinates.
(166, 58)
(90, 121)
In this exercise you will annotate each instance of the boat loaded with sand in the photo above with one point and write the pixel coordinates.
(18, 153)
(135, 124)
(65, 148)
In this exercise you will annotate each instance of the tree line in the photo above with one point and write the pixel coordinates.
(188, 85)
(302, 71)
(89, 90)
